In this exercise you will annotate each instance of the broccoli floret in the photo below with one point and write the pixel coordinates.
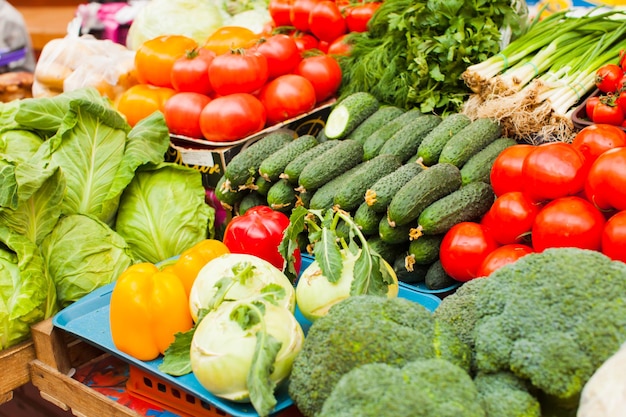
(421, 388)
(551, 318)
(367, 329)
(505, 395)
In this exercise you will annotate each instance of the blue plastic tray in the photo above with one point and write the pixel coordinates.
(88, 319)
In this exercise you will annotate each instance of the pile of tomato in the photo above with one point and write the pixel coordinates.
(232, 86)
(551, 195)
(609, 106)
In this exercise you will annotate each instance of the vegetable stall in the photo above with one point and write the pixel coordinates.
(261, 205)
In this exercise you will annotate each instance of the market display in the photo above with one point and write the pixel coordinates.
(370, 153)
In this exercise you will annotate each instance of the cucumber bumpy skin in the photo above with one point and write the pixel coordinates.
(469, 141)
(349, 113)
(431, 146)
(282, 196)
(478, 167)
(377, 139)
(381, 116)
(273, 165)
(367, 219)
(294, 168)
(339, 159)
(405, 142)
(379, 195)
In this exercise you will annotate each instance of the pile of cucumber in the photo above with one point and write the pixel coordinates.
(405, 177)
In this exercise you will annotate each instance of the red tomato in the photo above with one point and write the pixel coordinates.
(155, 57)
(568, 222)
(621, 100)
(305, 41)
(506, 171)
(606, 180)
(340, 46)
(608, 111)
(608, 77)
(359, 16)
(299, 14)
(614, 237)
(228, 38)
(511, 217)
(501, 256)
(279, 11)
(595, 139)
(232, 117)
(287, 96)
(326, 21)
(553, 170)
(324, 73)
(191, 72)
(281, 52)
(238, 71)
(141, 100)
(591, 104)
(182, 113)
(622, 60)
(323, 46)
(463, 249)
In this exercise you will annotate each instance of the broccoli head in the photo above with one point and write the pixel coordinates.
(503, 394)
(421, 388)
(367, 329)
(551, 318)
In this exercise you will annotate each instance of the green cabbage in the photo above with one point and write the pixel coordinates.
(83, 254)
(163, 212)
(27, 294)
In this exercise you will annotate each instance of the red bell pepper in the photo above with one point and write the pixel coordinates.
(259, 232)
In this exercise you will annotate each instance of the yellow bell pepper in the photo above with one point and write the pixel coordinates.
(148, 307)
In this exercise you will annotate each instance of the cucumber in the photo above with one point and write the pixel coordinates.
(404, 143)
(294, 168)
(377, 139)
(437, 278)
(251, 199)
(244, 167)
(421, 191)
(321, 136)
(388, 251)
(432, 144)
(379, 195)
(323, 197)
(281, 196)
(478, 167)
(425, 249)
(389, 234)
(415, 276)
(381, 116)
(352, 193)
(367, 219)
(226, 195)
(262, 186)
(468, 203)
(329, 164)
(347, 114)
(303, 198)
(273, 165)
(469, 141)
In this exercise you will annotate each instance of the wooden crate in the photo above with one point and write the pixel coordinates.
(14, 363)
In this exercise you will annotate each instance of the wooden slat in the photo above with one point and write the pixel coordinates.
(14, 364)
(68, 393)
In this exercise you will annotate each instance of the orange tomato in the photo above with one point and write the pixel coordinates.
(230, 37)
(154, 58)
(142, 100)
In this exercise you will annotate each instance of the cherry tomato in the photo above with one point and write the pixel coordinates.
(279, 11)
(340, 46)
(238, 71)
(287, 96)
(511, 217)
(281, 52)
(608, 77)
(506, 171)
(463, 249)
(608, 111)
(191, 72)
(305, 41)
(228, 38)
(182, 113)
(593, 140)
(232, 117)
(614, 237)
(359, 16)
(502, 256)
(299, 14)
(141, 100)
(568, 222)
(620, 100)
(323, 46)
(326, 21)
(155, 58)
(553, 170)
(324, 73)
(591, 104)
(606, 180)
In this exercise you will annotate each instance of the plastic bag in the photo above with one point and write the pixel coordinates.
(16, 53)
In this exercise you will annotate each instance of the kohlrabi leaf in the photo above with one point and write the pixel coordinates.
(176, 360)
(368, 278)
(248, 315)
(260, 385)
(289, 243)
(273, 293)
(328, 255)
